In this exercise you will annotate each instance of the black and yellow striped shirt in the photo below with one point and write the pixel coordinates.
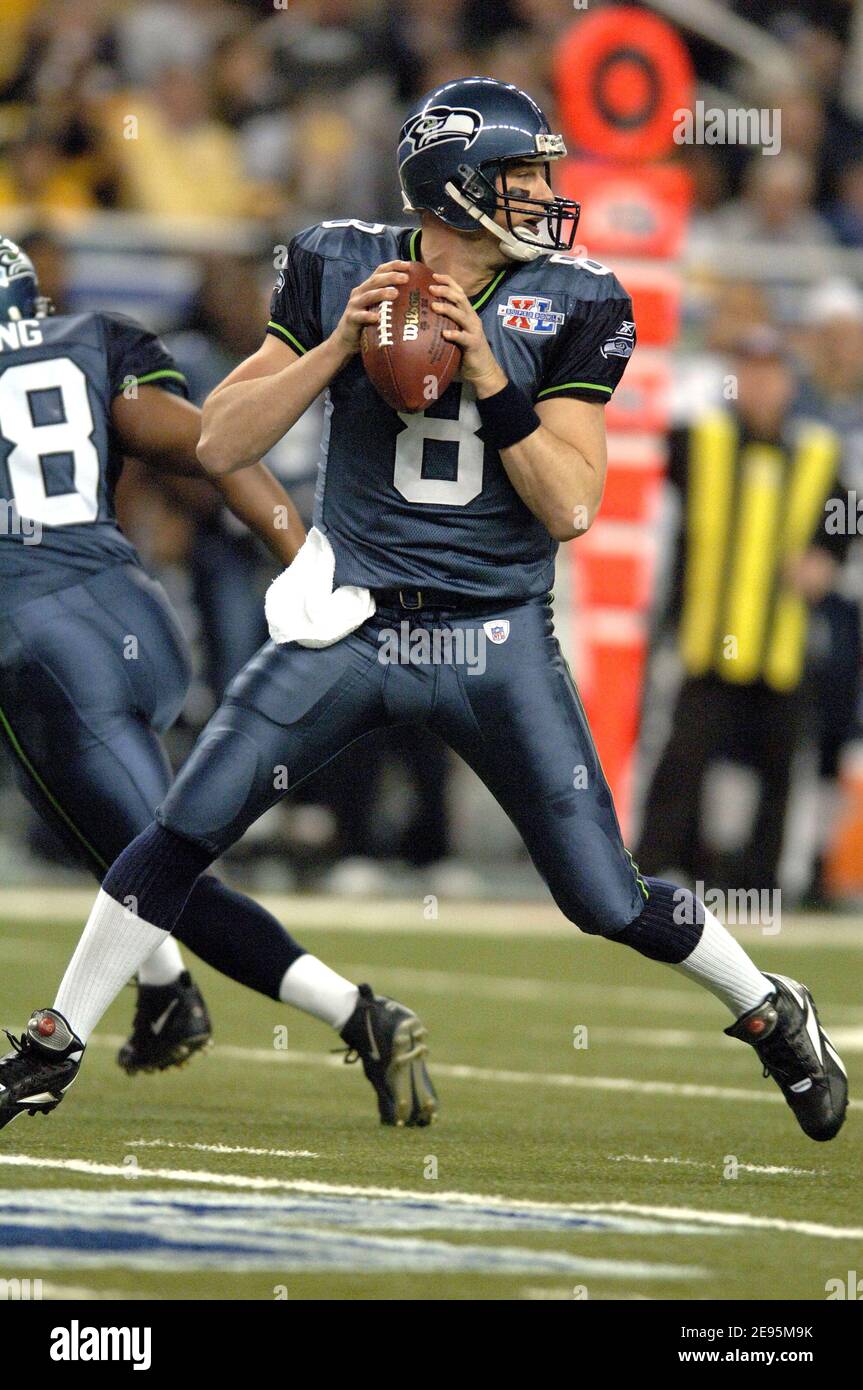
(749, 506)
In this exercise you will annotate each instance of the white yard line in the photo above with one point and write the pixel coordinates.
(456, 1072)
(218, 1148)
(240, 1182)
(770, 1168)
(75, 1292)
(732, 1220)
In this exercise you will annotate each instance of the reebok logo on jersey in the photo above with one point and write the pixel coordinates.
(530, 314)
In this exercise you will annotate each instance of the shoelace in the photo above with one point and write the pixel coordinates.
(799, 1056)
(347, 1054)
(351, 1054)
(21, 1046)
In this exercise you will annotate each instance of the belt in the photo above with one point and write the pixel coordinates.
(412, 600)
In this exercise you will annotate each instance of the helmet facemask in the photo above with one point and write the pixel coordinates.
(479, 195)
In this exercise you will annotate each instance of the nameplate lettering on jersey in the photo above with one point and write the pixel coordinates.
(529, 314)
(23, 334)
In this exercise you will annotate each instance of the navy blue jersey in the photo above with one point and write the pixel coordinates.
(421, 499)
(59, 457)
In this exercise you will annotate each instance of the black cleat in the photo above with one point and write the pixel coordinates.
(171, 1023)
(38, 1071)
(800, 1057)
(390, 1041)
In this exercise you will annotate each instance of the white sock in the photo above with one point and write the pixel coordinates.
(722, 966)
(163, 967)
(310, 985)
(112, 946)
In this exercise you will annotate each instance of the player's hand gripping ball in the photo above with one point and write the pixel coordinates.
(404, 352)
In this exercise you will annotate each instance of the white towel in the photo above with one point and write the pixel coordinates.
(302, 606)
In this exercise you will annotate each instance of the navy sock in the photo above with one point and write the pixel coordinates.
(237, 936)
(670, 925)
(160, 878)
(155, 874)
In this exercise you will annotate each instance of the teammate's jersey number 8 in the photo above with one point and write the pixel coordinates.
(69, 437)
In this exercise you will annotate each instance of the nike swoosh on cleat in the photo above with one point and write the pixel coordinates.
(834, 1054)
(158, 1023)
(814, 1032)
(35, 1100)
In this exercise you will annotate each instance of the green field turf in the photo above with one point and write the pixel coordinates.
(525, 1115)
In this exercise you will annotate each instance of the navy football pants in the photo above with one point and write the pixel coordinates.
(89, 677)
(518, 723)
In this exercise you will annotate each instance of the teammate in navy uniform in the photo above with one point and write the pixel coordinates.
(93, 665)
(451, 518)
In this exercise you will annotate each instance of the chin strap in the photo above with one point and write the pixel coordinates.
(517, 248)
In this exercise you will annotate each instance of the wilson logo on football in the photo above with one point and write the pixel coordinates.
(529, 315)
(441, 123)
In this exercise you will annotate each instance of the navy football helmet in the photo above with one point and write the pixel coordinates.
(19, 285)
(458, 141)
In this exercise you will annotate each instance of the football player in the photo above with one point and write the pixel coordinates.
(93, 666)
(450, 518)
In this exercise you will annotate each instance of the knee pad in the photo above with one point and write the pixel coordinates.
(607, 918)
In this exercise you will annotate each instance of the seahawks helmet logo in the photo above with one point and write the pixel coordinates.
(13, 262)
(439, 123)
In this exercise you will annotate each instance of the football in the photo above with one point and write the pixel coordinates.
(405, 354)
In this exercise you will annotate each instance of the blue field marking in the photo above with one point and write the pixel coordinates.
(188, 1230)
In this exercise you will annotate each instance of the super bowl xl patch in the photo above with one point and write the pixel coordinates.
(529, 314)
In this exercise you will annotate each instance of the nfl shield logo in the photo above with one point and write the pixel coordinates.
(497, 630)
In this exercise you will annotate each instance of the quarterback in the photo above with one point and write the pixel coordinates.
(447, 518)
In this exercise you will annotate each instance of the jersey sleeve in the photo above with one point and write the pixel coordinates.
(295, 308)
(593, 350)
(136, 355)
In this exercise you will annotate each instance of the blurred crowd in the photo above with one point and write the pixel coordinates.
(284, 109)
(283, 112)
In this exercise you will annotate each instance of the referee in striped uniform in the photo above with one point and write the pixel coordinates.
(759, 546)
